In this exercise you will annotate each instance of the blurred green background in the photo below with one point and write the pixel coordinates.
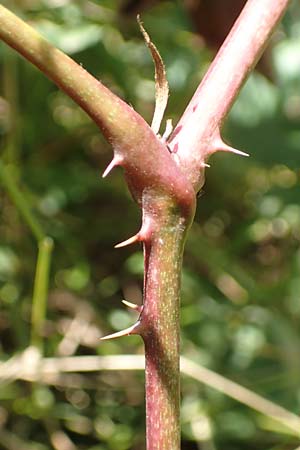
(241, 278)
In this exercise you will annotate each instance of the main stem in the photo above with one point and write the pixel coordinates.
(160, 329)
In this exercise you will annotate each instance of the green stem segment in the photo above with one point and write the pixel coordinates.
(7, 177)
(45, 247)
(10, 93)
(40, 291)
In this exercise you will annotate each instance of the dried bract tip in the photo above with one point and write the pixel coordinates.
(131, 240)
(116, 161)
(168, 130)
(161, 82)
(133, 306)
(134, 329)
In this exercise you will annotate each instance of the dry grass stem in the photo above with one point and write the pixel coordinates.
(30, 366)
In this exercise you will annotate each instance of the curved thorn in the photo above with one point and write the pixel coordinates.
(116, 161)
(134, 329)
(133, 306)
(141, 236)
(131, 240)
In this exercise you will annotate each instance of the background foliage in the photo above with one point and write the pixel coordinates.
(241, 282)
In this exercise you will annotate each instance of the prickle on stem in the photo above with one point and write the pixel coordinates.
(133, 306)
(134, 329)
(131, 240)
(219, 145)
(141, 236)
(116, 161)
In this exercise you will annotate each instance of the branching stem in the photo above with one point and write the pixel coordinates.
(192, 139)
(163, 183)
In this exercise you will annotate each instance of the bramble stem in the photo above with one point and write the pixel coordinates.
(135, 145)
(205, 113)
(163, 183)
(160, 329)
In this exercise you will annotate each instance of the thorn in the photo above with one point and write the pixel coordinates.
(227, 148)
(141, 236)
(131, 240)
(134, 329)
(205, 165)
(116, 161)
(130, 305)
(219, 145)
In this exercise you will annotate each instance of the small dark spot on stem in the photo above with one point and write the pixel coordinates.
(175, 149)
(176, 131)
